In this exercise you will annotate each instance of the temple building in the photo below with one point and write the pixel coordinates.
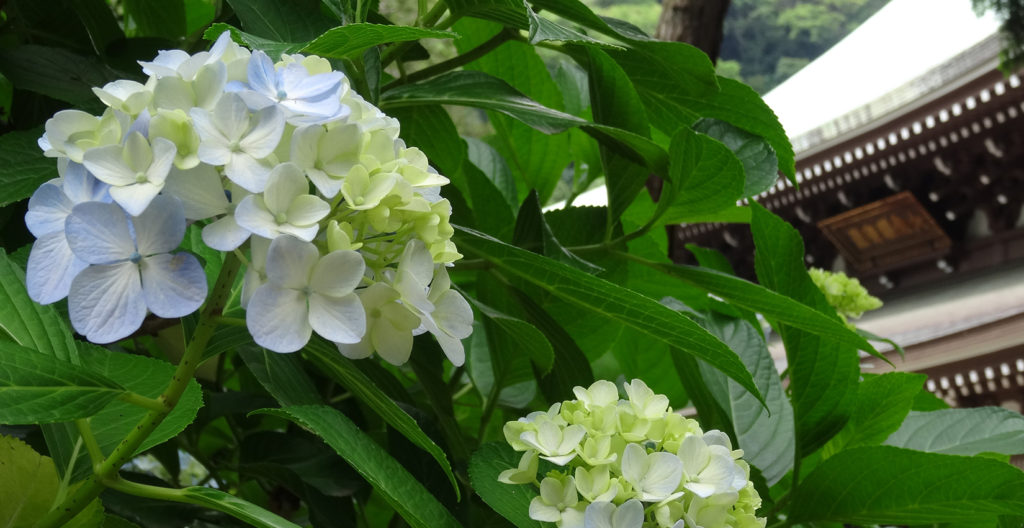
(910, 162)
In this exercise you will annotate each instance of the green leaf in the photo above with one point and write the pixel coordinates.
(282, 375)
(602, 298)
(113, 521)
(535, 158)
(678, 85)
(614, 102)
(507, 12)
(517, 336)
(765, 434)
(39, 388)
(512, 501)
(99, 21)
(494, 167)
(431, 129)
(404, 493)
(344, 371)
(772, 305)
(760, 164)
(29, 324)
(882, 404)
(544, 30)
(739, 105)
(144, 376)
(292, 21)
(476, 89)
(351, 40)
(706, 176)
(889, 485)
(823, 371)
(578, 12)
(571, 367)
(962, 431)
(22, 166)
(165, 19)
(271, 47)
(56, 73)
(29, 487)
(533, 232)
(238, 508)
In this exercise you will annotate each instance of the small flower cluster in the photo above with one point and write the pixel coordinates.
(630, 464)
(845, 294)
(341, 225)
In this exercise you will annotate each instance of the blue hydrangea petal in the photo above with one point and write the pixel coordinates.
(51, 267)
(47, 209)
(98, 233)
(105, 303)
(81, 186)
(161, 227)
(173, 285)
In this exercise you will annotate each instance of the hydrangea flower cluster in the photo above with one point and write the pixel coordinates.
(845, 294)
(341, 225)
(630, 463)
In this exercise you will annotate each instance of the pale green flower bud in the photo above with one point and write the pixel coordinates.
(525, 473)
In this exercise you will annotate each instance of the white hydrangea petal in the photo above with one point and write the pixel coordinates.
(453, 314)
(209, 84)
(599, 515)
(629, 515)
(98, 233)
(391, 343)
(107, 165)
(290, 262)
(694, 454)
(231, 118)
(161, 227)
(105, 303)
(663, 476)
(248, 172)
(338, 319)
(225, 234)
(47, 209)
(361, 350)
(51, 267)
(305, 145)
(200, 191)
(307, 210)
(337, 273)
(164, 151)
(135, 198)
(452, 347)
(252, 215)
(540, 511)
(634, 463)
(286, 182)
(302, 233)
(173, 285)
(278, 318)
(265, 134)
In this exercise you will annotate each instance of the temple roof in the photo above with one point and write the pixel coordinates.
(902, 42)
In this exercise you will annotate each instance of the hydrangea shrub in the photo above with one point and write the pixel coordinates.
(299, 267)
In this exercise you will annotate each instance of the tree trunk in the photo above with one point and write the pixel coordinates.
(696, 22)
(699, 23)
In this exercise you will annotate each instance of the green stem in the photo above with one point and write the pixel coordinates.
(106, 472)
(429, 20)
(93, 448)
(484, 48)
(142, 401)
(149, 492)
